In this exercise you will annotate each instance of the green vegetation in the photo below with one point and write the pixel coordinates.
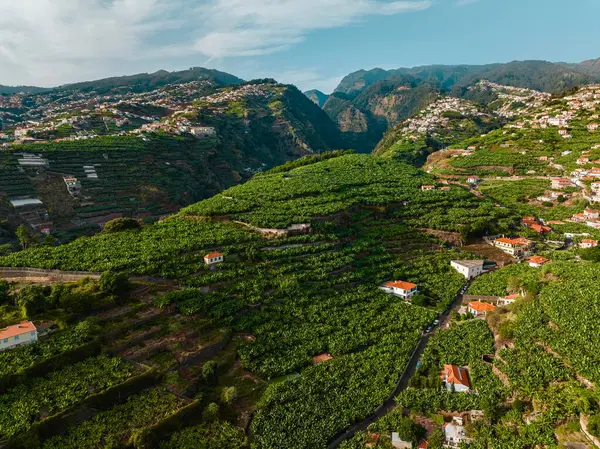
(216, 435)
(61, 389)
(117, 425)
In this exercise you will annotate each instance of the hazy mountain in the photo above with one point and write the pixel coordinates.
(317, 97)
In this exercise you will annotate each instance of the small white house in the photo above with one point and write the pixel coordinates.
(405, 290)
(588, 243)
(507, 300)
(18, 335)
(468, 268)
(213, 258)
(456, 377)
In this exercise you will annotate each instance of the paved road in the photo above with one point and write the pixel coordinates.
(410, 369)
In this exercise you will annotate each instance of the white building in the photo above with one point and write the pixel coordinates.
(456, 377)
(468, 268)
(405, 290)
(18, 335)
(588, 243)
(213, 258)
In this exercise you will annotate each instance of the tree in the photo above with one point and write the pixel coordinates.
(4, 292)
(229, 395)
(113, 284)
(5, 249)
(32, 300)
(24, 236)
(209, 372)
(121, 224)
(211, 412)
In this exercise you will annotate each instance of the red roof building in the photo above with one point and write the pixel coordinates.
(456, 376)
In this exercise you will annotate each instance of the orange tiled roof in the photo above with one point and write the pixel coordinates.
(456, 375)
(17, 329)
(213, 255)
(538, 260)
(591, 241)
(482, 307)
(401, 285)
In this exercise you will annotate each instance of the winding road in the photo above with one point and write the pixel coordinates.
(404, 379)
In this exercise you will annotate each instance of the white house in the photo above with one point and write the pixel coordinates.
(561, 183)
(478, 308)
(468, 268)
(399, 443)
(507, 300)
(405, 290)
(472, 179)
(427, 188)
(588, 243)
(213, 258)
(517, 247)
(18, 335)
(537, 261)
(457, 377)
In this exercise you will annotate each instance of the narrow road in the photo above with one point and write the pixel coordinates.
(402, 384)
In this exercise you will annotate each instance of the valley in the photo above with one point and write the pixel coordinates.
(223, 271)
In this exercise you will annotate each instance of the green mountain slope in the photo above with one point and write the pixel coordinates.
(148, 174)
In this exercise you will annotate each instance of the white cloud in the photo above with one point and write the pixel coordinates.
(49, 42)
(255, 27)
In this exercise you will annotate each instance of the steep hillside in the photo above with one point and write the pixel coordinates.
(444, 122)
(282, 305)
(372, 101)
(590, 67)
(146, 155)
(365, 117)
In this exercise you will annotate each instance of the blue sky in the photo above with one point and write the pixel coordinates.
(310, 43)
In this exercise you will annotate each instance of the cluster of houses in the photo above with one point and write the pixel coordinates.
(589, 217)
(434, 118)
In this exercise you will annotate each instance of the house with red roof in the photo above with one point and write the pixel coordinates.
(588, 243)
(406, 290)
(456, 376)
(537, 261)
(427, 188)
(479, 308)
(517, 247)
(213, 258)
(561, 183)
(17, 335)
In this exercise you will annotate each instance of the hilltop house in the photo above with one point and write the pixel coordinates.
(18, 335)
(456, 376)
(588, 243)
(517, 247)
(478, 308)
(213, 258)
(537, 261)
(405, 290)
(468, 268)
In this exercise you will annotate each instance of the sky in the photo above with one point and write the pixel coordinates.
(309, 43)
